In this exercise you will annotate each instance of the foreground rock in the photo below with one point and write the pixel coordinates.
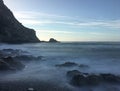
(12, 59)
(82, 79)
(11, 30)
(67, 64)
(9, 63)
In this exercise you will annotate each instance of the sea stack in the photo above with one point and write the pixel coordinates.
(11, 30)
(52, 40)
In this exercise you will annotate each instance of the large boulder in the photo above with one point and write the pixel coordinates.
(11, 30)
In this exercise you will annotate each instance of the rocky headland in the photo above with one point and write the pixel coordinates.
(11, 30)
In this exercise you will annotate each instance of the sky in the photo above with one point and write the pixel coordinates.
(70, 20)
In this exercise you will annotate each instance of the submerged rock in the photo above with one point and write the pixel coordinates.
(67, 64)
(73, 72)
(27, 58)
(78, 78)
(10, 64)
(10, 52)
(83, 66)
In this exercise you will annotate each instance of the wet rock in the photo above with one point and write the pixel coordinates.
(93, 79)
(27, 58)
(110, 78)
(10, 52)
(83, 66)
(10, 64)
(73, 73)
(67, 64)
(4, 65)
(78, 78)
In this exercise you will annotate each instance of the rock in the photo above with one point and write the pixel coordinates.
(11, 30)
(78, 78)
(10, 64)
(93, 79)
(10, 52)
(52, 40)
(83, 66)
(73, 73)
(67, 64)
(110, 78)
(4, 66)
(27, 57)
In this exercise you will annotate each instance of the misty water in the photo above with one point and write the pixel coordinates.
(101, 57)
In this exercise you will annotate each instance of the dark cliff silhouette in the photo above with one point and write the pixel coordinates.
(11, 30)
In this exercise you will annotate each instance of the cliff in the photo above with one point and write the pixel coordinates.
(11, 30)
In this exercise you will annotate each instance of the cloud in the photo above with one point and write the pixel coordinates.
(111, 24)
(37, 18)
(31, 14)
(55, 31)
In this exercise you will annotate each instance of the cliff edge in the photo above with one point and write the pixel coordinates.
(11, 30)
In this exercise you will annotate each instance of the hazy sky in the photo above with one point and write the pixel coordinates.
(70, 20)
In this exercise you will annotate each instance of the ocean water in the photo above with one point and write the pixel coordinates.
(101, 57)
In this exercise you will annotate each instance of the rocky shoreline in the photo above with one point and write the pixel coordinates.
(14, 60)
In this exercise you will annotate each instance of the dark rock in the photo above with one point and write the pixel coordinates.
(27, 57)
(79, 78)
(93, 79)
(4, 66)
(11, 30)
(10, 64)
(52, 40)
(83, 66)
(110, 78)
(10, 52)
(73, 73)
(67, 64)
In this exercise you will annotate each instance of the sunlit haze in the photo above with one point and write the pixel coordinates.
(70, 20)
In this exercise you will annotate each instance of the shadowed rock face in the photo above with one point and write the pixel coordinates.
(11, 30)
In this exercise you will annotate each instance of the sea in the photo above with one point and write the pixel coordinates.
(100, 57)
